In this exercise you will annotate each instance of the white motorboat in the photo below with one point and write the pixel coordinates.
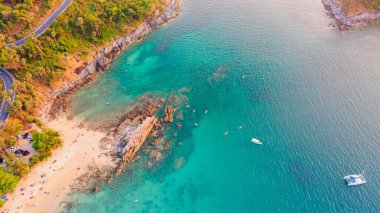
(256, 141)
(354, 180)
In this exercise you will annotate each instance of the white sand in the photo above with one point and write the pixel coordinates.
(44, 193)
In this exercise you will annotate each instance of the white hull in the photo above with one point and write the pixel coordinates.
(355, 180)
(256, 141)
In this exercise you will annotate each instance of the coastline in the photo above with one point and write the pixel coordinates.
(346, 22)
(52, 180)
(56, 100)
(84, 150)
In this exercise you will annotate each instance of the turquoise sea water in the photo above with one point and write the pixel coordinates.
(309, 93)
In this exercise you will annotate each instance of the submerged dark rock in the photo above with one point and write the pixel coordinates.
(168, 114)
(86, 72)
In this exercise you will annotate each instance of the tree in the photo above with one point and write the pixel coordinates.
(7, 181)
(14, 165)
(46, 141)
(12, 128)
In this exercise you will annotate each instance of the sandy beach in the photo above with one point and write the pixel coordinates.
(48, 184)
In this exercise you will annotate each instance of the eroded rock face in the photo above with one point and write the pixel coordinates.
(135, 141)
(88, 71)
(344, 21)
(135, 116)
(168, 114)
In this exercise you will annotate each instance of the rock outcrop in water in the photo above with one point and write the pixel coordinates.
(134, 117)
(102, 61)
(135, 141)
(168, 114)
(139, 124)
(345, 21)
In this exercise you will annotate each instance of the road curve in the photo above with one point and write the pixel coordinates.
(7, 77)
(46, 23)
(8, 80)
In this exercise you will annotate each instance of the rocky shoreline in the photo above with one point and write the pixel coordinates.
(145, 123)
(344, 21)
(137, 125)
(86, 73)
(123, 142)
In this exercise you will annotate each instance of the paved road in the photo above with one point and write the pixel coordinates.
(7, 77)
(47, 23)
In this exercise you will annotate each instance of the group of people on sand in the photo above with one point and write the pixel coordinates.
(23, 190)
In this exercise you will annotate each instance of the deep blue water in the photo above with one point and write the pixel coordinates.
(311, 94)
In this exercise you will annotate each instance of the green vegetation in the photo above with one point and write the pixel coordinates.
(85, 25)
(16, 15)
(45, 141)
(12, 128)
(16, 166)
(7, 181)
(40, 62)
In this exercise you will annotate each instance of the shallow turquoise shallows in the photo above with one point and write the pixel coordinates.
(278, 69)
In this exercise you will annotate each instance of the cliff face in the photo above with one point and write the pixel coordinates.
(345, 21)
(109, 53)
(133, 131)
(135, 141)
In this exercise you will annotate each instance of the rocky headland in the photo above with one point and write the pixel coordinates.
(87, 71)
(90, 158)
(346, 21)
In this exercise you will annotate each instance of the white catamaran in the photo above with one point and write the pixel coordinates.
(354, 180)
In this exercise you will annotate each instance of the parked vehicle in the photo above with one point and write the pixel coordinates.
(13, 149)
(25, 135)
(19, 151)
(24, 152)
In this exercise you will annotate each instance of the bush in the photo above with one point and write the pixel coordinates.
(17, 167)
(8, 182)
(32, 119)
(38, 158)
(11, 142)
(34, 160)
(46, 141)
(12, 128)
(38, 122)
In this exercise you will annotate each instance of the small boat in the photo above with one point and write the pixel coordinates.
(109, 103)
(206, 111)
(354, 180)
(256, 141)
(240, 127)
(225, 133)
